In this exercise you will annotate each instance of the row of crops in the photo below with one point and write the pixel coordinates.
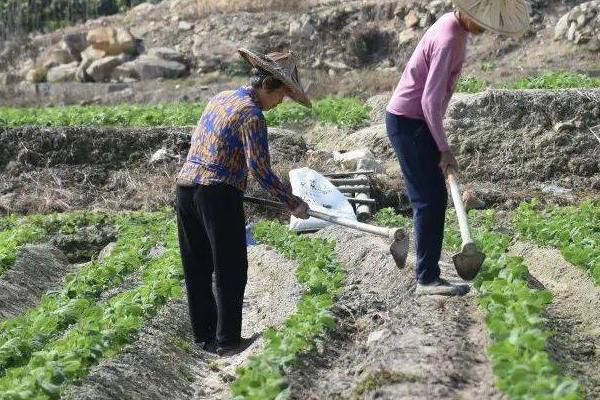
(72, 329)
(515, 310)
(342, 111)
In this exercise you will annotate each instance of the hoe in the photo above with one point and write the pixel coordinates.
(398, 248)
(469, 260)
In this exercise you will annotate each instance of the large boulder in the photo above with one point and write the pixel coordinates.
(113, 41)
(167, 53)
(61, 56)
(150, 67)
(62, 73)
(74, 43)
(36, 75)
(124, 73)
(100, 70)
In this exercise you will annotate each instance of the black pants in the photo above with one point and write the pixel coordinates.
(426, 186)
(212, 238)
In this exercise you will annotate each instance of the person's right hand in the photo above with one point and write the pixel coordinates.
(447, 160)
(301, 210)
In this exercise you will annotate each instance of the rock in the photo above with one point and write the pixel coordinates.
(319, 160)
(161, 155)
(411, 19)
(575, 14)
(407, 36)
(581, 20)
(157, 251)
(425, 20)
(7, 78)
(571, 32)
(378, 336)
(124, 73)
(107, 250)
(471, 201)
(36, 75)
(62, 73)
(562, 27)
(185, 26)
(168, 54)
(302, 28)
(564, 126)
(149, 67)
(100, 70)
(61, 56)
(74, 43)
(113, 41)
(81, 73)
(336, 65)
(361, 159)
(93, 54)
(594, 44)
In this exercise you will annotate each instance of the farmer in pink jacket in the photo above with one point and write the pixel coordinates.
(414, 121)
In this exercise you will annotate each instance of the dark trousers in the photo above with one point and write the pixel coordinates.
(212, 238)
(426, 187)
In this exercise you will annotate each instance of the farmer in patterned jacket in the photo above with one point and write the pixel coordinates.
(229, 140)
(414, 121)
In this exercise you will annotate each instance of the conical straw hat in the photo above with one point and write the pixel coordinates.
(506, 17)
(283, 67)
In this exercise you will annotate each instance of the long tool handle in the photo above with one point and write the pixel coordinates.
(392, 233)
(375, 230)
(461, 213)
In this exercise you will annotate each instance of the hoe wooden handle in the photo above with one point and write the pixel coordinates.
(461, 213)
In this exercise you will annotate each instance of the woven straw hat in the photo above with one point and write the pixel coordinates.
(506, 17)
(283, 67)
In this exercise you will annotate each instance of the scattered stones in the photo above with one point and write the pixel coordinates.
(411, 19)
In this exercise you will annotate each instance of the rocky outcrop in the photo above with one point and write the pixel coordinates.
(581, 25)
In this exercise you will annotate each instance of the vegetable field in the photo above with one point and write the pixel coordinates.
(109, 300)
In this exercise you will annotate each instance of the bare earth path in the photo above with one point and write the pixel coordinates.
(161, 364)
(390, 344)
(573, 315)
(38, 269)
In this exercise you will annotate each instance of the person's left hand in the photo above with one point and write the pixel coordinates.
(301, 210)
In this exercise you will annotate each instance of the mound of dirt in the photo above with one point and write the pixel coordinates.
(39, 268)
(58, 169)
(533, 138)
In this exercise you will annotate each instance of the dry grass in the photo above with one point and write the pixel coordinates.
(206, 7)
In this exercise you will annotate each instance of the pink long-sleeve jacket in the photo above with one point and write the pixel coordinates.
(431, 75)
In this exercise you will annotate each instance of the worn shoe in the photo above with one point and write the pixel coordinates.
(231, 350)
(440, 287)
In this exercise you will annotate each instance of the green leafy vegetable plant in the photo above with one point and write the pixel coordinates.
(264, 376)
